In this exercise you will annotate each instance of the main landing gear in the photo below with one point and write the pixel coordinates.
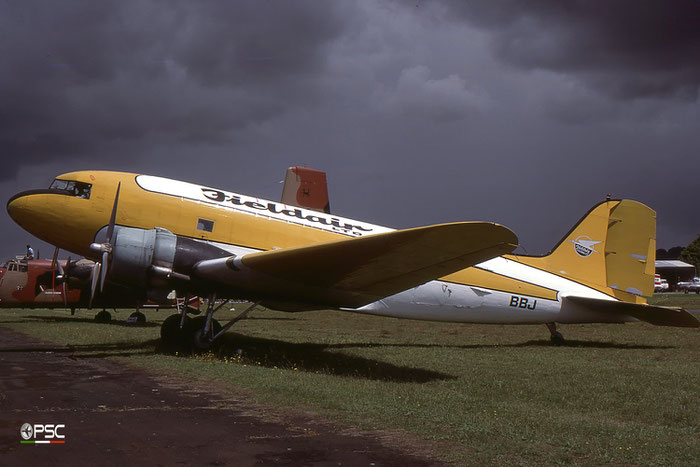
(556, 337)
(179, 330)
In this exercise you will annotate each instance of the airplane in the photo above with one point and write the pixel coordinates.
(157, 234)
(44, 283)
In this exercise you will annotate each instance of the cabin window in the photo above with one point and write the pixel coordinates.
(22, 268)
(13, 267)
(205, 225)
(74, 188)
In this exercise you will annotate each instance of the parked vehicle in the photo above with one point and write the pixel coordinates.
(657, 282)
(690, 286)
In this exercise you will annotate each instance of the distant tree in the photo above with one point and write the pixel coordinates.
(691, 253)
(672, 253)
(675, 252)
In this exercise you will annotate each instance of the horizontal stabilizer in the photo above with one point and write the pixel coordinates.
(357, 271)
(657, 315)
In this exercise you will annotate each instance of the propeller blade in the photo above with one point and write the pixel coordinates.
(113, 217)
(54, 260)
(61, 271)
(63, 291)
(93, 282)
(103, 270)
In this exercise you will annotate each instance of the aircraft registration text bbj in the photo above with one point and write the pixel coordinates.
(522, 302)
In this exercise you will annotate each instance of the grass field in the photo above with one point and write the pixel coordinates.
(616, 394)
(690, 301)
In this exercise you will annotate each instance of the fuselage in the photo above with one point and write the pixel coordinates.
(75, 212)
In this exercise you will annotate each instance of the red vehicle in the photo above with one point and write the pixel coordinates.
(33, 284)
(43, 283)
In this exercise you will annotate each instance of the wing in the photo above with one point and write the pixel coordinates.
(357, 271)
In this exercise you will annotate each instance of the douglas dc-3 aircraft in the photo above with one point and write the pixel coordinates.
(157, 234)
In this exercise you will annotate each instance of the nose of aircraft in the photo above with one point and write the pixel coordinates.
(17, 207)
(32, 210)
(46, 214)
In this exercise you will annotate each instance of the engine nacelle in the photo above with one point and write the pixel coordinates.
(142, 258)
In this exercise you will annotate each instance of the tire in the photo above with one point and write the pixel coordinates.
(170, 333)
(199, 341)
(136, 318)
(557, 339)
(103, 316)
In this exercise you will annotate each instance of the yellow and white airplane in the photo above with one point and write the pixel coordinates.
(157, 234)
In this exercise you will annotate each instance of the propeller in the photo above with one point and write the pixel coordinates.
(99, 270)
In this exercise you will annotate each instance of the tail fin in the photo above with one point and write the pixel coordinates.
(306, 188)
(612, 249)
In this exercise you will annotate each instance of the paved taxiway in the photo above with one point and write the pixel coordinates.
(120, 415)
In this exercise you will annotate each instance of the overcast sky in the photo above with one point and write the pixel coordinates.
(421, 112)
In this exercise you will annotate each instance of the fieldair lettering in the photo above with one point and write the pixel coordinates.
(221, 197)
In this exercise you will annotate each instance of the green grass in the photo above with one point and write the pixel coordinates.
(689, 301)
(617, 394)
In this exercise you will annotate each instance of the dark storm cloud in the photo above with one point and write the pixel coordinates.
(81, 79)
(508, 113)
(624, 48)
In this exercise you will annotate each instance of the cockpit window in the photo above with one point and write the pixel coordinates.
(74, 188)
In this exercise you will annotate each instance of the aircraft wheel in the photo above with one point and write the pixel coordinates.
(103, 316)
(199, 340)
(557, 338)
(170, 332)
(136, 318)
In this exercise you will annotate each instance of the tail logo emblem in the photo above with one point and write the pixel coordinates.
(584, 246)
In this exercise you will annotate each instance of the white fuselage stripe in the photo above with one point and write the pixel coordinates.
(522, 272)
(258, 207)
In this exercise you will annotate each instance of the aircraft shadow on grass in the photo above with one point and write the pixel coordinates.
(306, 357)
(311, 358)
(269, 353)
